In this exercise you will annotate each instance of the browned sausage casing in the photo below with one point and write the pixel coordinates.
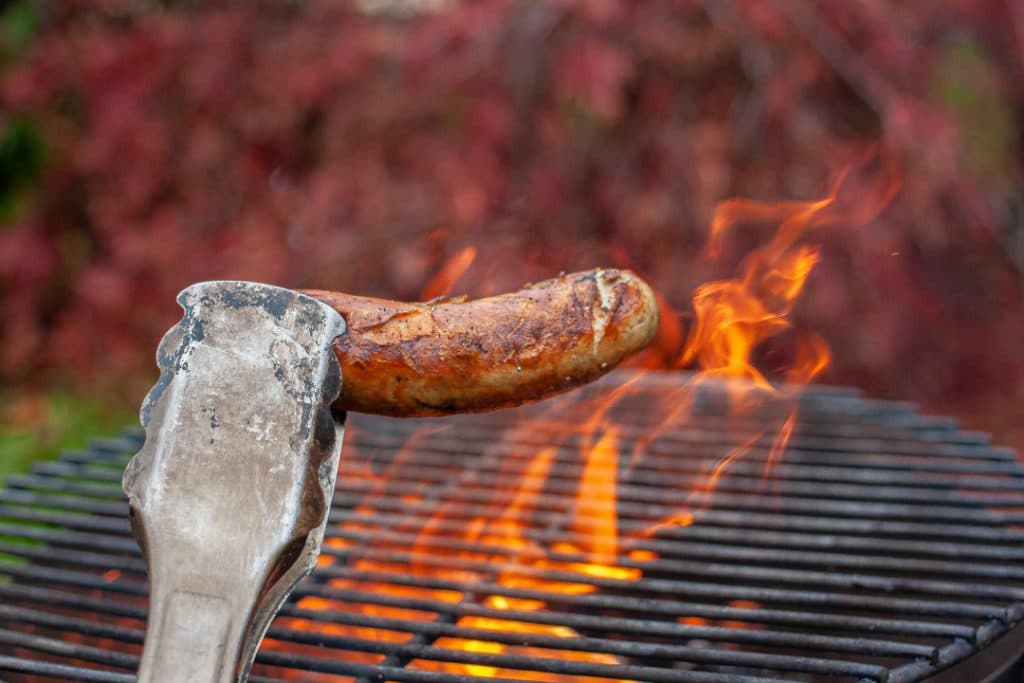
(414, 359)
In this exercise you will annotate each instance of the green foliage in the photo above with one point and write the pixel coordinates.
(21, 148)
(18, 26)
(21, 158)
(968, 85)
(59, 421)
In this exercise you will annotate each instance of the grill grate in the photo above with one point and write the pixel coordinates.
(883, 547)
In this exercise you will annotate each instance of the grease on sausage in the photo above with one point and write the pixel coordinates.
(436, 358)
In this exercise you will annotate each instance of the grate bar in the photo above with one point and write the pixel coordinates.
(846, 516)
(652, 606)
(664, 445)
(437, 629)
(31, 481)
(738, 481)
(103, 525)
(786, 480)
(67, 648)
(707, 611)
(923, 428)
(739, 554)
(750, 502)
(628, 649)
(996, 473)
(46, 555)
(121, 527)
(833, 667)
(657, 586)
(73, 601)
(838, 466)
(712, 521)
(954, 510)
(86, 505)
(114, 544)
(62, 672)
(693, 589)
(676, 631)
(553, 666)
(78, 579)
(63, 622)
(758, 574)
(833, 473)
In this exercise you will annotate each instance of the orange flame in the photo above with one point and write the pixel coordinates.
(735, 316)
(597, 530)
(508, 529)
(779, 443)
(442, 283)
(498, 541)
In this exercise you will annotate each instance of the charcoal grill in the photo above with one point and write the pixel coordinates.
(884, 546)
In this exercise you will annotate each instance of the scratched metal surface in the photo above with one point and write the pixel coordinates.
(231, 490)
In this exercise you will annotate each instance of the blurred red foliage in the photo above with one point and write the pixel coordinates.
(317, 145)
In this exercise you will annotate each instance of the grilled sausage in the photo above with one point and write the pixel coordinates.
(435, 358)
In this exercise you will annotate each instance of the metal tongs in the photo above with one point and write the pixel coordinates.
(230, 494)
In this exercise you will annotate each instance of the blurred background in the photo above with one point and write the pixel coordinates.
(365, 146)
